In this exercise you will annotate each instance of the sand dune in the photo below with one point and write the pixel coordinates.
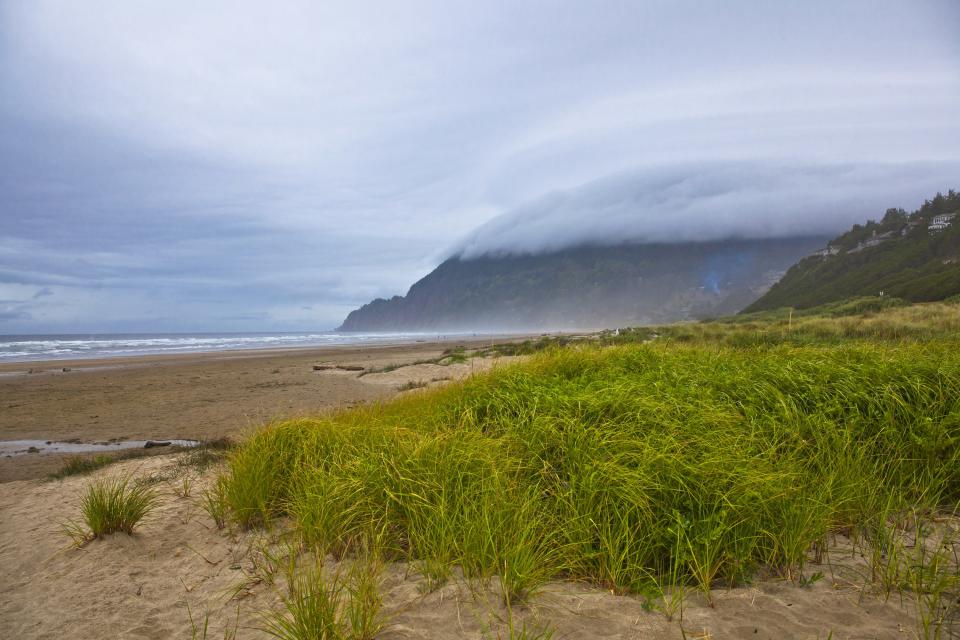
(178, 564)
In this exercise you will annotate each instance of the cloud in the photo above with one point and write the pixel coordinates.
(164, 168)
(703, 202)
(7, 314)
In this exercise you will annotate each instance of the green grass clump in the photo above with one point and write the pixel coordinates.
(77, 465)
(80, 465)
(198, 458)
(329, 605)
(639, 467)
(111, 505)
(526, 347)
(215, 503)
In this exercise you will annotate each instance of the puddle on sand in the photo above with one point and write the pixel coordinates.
(10, 448)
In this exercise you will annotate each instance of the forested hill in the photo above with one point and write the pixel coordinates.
(914, 256)
(587, 287)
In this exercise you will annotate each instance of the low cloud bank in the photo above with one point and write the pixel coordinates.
(704, 202)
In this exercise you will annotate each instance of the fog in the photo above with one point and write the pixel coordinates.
(705, 202)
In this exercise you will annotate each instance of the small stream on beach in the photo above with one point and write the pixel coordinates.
(10, 448)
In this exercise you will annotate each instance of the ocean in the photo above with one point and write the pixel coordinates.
(24, 348)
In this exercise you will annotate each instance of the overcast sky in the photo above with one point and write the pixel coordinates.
(245, 166)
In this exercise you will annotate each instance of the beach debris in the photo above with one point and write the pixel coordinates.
(341, 367)
(150, 444)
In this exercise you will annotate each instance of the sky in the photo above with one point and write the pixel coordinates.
(234, 166)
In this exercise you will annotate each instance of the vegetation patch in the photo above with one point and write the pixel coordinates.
(329, 604)
(198, 458)
(901, 255)
(412, 384)
(860, 320)
(690, 461)
(111, 505)
(616, 463)
(78, 465)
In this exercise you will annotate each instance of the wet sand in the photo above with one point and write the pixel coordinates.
(198, 397)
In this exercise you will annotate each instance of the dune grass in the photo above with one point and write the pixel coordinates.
(77, 465)
(111, 505)
(861, 319)
(326, 604)
(683, 463)
(80, 465)
(750, 454)
(199, 458)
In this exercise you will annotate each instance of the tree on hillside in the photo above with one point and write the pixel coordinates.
(893, 216)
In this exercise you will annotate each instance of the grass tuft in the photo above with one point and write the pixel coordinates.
(215, 503)
(77, 465)
(329, 605)
(111, 505)
(81, 465)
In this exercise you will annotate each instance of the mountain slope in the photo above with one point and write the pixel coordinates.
(900, 255)
(586, 287)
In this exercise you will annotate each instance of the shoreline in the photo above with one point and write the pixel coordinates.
(9, 367)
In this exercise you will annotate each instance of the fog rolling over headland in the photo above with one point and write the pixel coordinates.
(707, 202)
(646, 246)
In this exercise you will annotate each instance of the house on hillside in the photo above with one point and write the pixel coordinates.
(828, 251)
(941, 222)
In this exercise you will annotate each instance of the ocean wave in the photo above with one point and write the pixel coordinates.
(56, 347)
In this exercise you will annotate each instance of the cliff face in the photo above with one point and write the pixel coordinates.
(913, 256)
(587, 287)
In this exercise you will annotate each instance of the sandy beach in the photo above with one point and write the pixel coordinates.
(201, 396)
(179, 573)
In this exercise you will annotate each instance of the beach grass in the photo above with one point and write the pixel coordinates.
(329, 604)
(81, 465)
(111, 505)
(862, 319)
(197, 458)
(688, 462)
(215, 504)
(78, 465)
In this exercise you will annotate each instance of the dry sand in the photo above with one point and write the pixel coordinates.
(178, 564)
